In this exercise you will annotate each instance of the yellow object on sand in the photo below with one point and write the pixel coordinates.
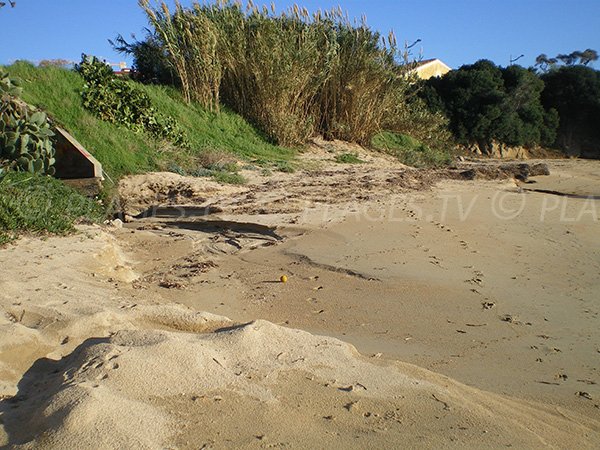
(283, 278)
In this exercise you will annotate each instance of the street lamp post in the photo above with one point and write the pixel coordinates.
(413, 44)
(512, 61)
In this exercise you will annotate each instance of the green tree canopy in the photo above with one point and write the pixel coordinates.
(487, 103)
(575, 93)
(150, 60)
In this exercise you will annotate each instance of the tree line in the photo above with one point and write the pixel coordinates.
(555, 104)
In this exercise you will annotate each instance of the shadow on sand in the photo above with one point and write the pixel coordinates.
(21, 415)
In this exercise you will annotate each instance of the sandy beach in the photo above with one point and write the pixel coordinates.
(419, 311)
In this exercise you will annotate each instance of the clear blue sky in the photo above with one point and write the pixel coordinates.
(456, 31)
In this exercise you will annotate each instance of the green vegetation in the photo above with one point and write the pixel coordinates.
(554, 104)
(58, 92)
(151, 64)
(348, 158)
(227, 177)
(575, 93)
(123, 151)
(36, 203)
(25, 136)
(486, 103)
(285, 166)
(545, 64)
(292, 74)
(410, 151)
(121, 102)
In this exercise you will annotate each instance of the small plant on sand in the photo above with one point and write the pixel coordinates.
(348, 158)
(217, 160)
(284, 166)
(228, 177)
(219, 165)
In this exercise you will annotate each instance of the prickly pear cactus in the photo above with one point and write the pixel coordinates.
(25, 136)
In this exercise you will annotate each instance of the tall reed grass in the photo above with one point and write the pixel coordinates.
(293, 74)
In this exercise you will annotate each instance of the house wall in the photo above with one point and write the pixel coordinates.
(432, 69)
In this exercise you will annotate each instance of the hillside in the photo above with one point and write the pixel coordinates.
(217, 143)
(122, 151)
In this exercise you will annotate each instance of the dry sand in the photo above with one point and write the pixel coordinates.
(118, 338)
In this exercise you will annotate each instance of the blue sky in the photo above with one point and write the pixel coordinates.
(456, 31)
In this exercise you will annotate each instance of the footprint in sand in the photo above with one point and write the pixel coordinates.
(475, 280)
(435, 261)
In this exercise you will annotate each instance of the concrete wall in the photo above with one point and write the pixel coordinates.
(72, 160)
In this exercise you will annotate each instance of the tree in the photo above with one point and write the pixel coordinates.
(544, 64)
(12, 4)
(528, 123)
(574, 91)
(150, 61)
(54, 63)
(588, 56)
(485, 104)
(471, 98)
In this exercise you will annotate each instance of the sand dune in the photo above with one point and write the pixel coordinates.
(260, 384)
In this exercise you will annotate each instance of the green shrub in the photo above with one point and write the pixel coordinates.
(25, 136)
(119, 101)
(36, 203)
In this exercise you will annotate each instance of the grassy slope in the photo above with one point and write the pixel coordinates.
(57, 91)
